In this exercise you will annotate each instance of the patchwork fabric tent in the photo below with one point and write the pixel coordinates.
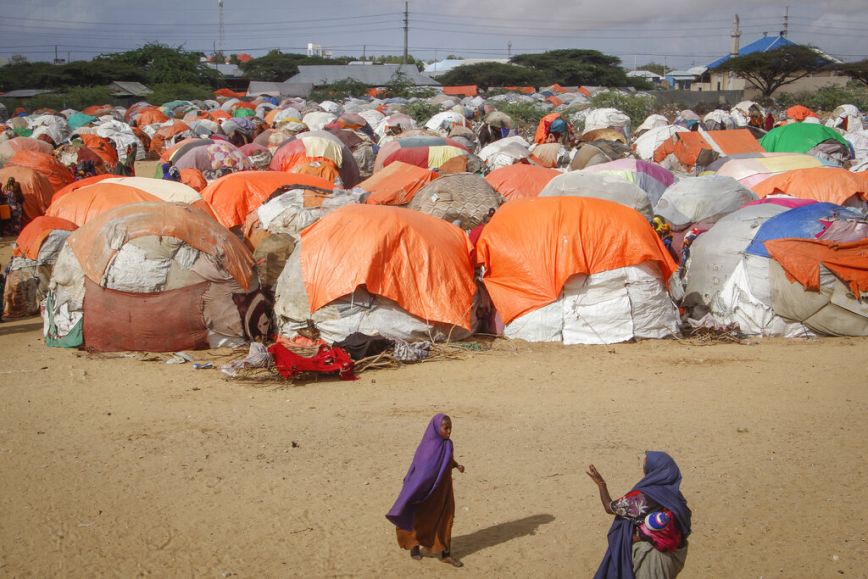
(577, 270)
(465, 199)
(694, 149)
(821, 184)
(318, 153)
(378, 270)
(37, 190)
(33, 257)
(169, 267)
(423, 151)
(749, 169)
(650, 177)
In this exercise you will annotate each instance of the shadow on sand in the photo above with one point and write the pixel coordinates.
(8, 327)
(495, 535)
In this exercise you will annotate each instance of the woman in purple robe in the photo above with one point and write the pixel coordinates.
(425, 509)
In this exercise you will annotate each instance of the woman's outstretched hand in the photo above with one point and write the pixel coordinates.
(595, 476)
(460, 468)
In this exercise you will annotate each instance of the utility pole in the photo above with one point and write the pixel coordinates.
(220, 27)
(55, 54)
(406, 29)
(364, 50)
(509, 49)
(786, 29)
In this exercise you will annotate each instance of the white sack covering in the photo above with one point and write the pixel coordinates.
(707, 198)
(603, 308)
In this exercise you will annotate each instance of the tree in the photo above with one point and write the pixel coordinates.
(488, 74)
(855, 70)
(165, 65)
(576, 67)
(769, 71)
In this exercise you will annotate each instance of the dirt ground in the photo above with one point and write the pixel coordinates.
(119, 467)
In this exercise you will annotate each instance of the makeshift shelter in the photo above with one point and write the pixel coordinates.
(425, 151)
(599, 186)
(520, 180)
(172, 270)
(464, 199)
(318, 153)
(821, 284)
(505, 152)
(9, 148)
(650, 177)
(745, 297)
(214, 160)
(695, 199)
(234, 196)
(37, 190)
(578, 271)
(821, 184)
(378, 270)
(44, 164)
(33, 257)
(396, 184)
(749, 169)
(648, 142)
(699, 149)
(822, 142)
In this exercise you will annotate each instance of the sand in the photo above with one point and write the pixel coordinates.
(111, 466)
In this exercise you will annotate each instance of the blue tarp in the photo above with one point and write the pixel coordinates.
(801, 222)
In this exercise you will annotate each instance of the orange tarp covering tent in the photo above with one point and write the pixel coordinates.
(76, 185)
(158, 141)
(97, 110)
(229, 93)
(542, 129)
(800, 113)
(193, 178)
(45, 165)
(584, 91)
(531, 247)
(94, 252)
(830, 184)
(801, 260)
(232, 197)
(34, 233)
(9, 148)
(83, 205)
(36, 189)
(396, 184)
(554, 101)
(463, 90)
(520, 180)
(419, 261)
(150, 116)
(102, 147)
(687, 146)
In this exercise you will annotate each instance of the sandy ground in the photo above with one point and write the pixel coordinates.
(119, 467)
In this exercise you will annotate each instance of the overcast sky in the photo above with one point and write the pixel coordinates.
(680, 33)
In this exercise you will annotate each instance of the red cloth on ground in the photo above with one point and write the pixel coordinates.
(325, 361)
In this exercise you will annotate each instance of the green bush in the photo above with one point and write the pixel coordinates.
(164, 93)
(77, 98)
(827, 98)
(339, 90)
(635, 106)
(421, 111)
(523, 114)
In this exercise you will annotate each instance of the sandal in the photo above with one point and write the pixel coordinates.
(416, 554)
(447, 558)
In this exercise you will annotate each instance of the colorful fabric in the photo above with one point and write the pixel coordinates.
(326, 361)
(636, 507)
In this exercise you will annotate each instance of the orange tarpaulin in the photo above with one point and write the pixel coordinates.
(102, 147)
(234, 196)
(830, 184)
(36, 189)
(45, 165)
(193, 178)
(396, 184)
(150, 116)
(531, 247)
(464, 90)
(419, 261)
(76, 185)
(687, 146)
(9, 148)
(542, 129)
(800, 113)
(520, 89)
(229, 93)
(801, 260)
(83, 205)
(34, 233)
(91, 245)
(520, 181)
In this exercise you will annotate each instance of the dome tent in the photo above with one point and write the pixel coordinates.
(169, 267)
(577, 270)
(378, 269)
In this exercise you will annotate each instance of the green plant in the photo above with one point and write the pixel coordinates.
(523, 114)
(164, 93)
(339, 90)
(827, 98)
(421, 111)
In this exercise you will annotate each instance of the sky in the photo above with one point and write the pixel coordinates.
(678, 33)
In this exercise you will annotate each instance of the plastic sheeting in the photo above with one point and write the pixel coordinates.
(599, 186)
(706, 198)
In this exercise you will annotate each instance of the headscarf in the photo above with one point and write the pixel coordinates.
(661, 483)
(431, 462)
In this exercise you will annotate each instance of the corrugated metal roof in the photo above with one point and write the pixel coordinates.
(368, 74)
(764, 44)
(122, 88)
(226, 69)
(24, 93)
(290, 89)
